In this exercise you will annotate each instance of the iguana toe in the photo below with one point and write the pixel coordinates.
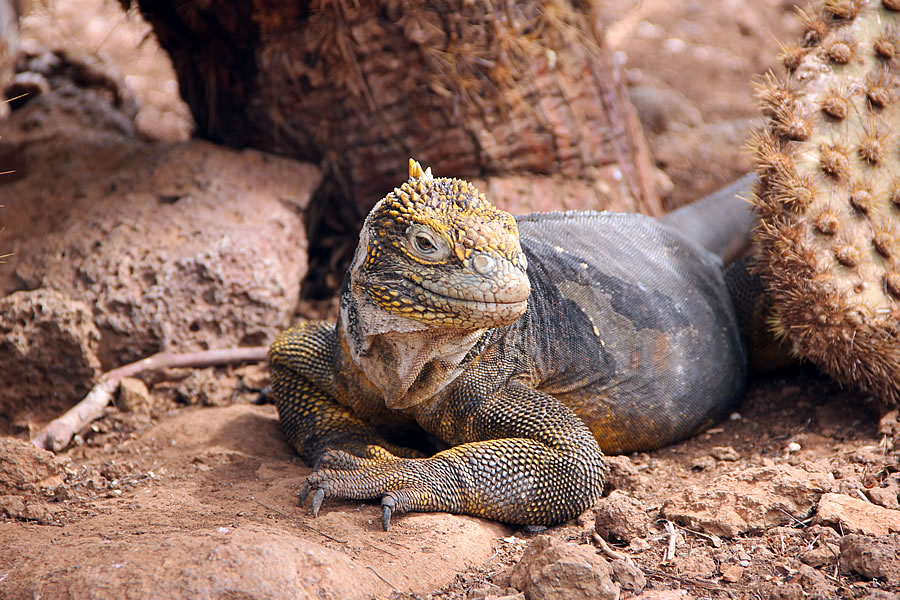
(387, 508)
(344, 475)
(403, 484)
(317, 500)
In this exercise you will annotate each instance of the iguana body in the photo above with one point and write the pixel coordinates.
(627, 341)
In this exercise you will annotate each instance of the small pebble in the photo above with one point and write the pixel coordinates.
(134, 395)
(674, 45)
(733, 574)
(724, 453)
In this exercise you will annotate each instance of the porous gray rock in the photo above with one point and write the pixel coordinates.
(823, 546)
(748, 501)
(134, 395)
(25, 469)
(872, 557)
(887, 496)
(815, 585)
(552, 569)
(628, 576)
(697, 565)
(621, 517)
(195, 250)
(855, 515)
(172, 246)
(624, 475)
(50, 343)
(28, 476)
(202, 387)
(27, 509)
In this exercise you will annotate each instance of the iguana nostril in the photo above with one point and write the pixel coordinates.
(483, 263)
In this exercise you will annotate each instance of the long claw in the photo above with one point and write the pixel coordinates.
(386, 517)
(304, 493)
(388, 504)
(317, 500)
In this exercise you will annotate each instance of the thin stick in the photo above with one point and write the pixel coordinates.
(59, 432)
(706, 585)
(301, 523)
(377, 574)
(608, 550)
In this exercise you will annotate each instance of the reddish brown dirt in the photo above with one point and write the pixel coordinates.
(167, 498)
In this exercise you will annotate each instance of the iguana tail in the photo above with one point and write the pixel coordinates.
(721, 222)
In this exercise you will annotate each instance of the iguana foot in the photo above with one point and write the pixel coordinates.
(388, 506)
(350, 452)
(404, 484)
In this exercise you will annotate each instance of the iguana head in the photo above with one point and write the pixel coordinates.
(436, 251)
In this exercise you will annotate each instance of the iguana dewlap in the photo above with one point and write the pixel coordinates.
(526, 346)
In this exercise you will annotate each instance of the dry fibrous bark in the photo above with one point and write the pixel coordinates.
(473, 89)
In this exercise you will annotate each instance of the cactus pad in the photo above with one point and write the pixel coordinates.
(829, 193)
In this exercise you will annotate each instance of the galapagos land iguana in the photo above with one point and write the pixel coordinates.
(526, 346)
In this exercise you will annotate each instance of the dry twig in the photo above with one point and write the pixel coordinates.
(377, 574)
(59, 432)
(700, 583)
(300, 523)
(608, 550)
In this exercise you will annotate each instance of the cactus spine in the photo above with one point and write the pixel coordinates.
(829, 193)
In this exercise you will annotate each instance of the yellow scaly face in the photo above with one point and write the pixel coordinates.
(440, 253)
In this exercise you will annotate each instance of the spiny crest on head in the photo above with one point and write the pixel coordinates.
(424, 194)
(454, 209)
(416, 172)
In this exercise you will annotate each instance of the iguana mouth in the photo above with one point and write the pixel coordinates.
(480, 306)
(473, 301)
(436, 307)
(512, 292)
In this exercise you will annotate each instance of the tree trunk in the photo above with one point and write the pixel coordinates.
(472, 89)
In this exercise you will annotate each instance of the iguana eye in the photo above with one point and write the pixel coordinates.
(426, 244)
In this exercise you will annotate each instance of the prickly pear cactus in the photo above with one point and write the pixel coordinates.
(829, 193)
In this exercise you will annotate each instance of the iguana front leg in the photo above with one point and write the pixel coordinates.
(518, 456)
(301, 363)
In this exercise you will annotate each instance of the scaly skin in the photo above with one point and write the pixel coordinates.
(522, 355)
